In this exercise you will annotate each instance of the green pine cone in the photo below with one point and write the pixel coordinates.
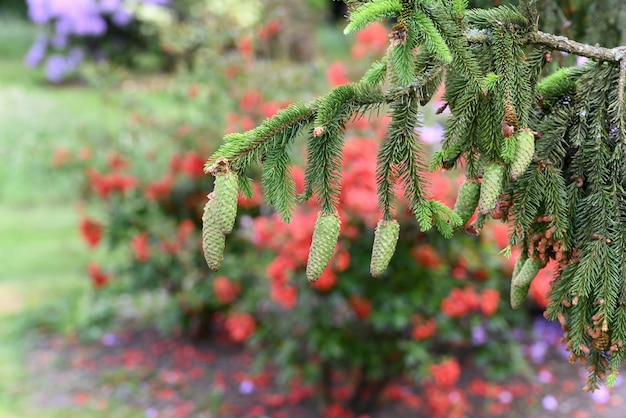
(385, 240)
(213, 240)
(226, 192)
(467, 199)
(521, 282)
(524, 150)
(325, 237)
(491, 187)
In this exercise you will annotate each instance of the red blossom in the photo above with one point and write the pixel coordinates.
(341, 260)
(61, 157)
(159, 188)
(460, 302)
(446, 373)
(326, 282)
(225, 290)
(192, 165)
(185, 229)
(269, 30)
(250, 101)
(540, 286)
(246, 47)
(254, 202)
(240, 326)
(99, 278)
(116, 162)
(91, 231)
(426, 255)
(140, 247)
(371, 40)
(284, 295)
(269, 109)
(361, 306)
(489, 300)
(337, 74)
(423, 328)
(176, 163)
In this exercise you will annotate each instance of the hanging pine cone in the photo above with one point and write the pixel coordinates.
(226, 191)
(385, 240)
(213, 240)
(325, 237)
(524, 150)
(467, 199)
(521, 282)
(491, 187)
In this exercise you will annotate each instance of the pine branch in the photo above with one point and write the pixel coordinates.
(557, 43)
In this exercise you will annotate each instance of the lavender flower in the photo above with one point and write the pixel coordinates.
(37, 52)
(56, 68)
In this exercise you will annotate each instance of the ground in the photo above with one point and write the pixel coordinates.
(144, 373)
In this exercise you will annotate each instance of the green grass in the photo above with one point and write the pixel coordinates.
(42, 261)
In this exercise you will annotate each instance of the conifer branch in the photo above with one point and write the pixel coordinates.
(558, 43)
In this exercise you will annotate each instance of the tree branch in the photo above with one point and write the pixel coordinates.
(560, 43)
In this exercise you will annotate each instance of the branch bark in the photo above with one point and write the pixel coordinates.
(561, 43)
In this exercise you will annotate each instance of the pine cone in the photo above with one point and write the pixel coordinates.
(213, 240)
(521, 282)
(524, 150)
(325, 237)
(491, 187)
(226, 192)
(467, 199)
(385, 240)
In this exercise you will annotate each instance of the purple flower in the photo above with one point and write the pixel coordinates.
(537, 351)
(121, 18)
(56, 68)
(432, 134)
(110, 6)
(479, 335)
(550, 403)
(246, 387)
(37, 52)
(601, 395)
(39, 11)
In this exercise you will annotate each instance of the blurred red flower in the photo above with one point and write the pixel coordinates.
(61, 157)
(361, 306)
(159, 188)
(99, 278)
(91, 232)
(240, 326)
(337, 74)
(446, 373)
(489, 300)
(423, 328)
(460, 302)
(284, 295)
(192, 165)
(426, 255)
(326, 282)
(540, 286)
(140, 247)
(225, 290)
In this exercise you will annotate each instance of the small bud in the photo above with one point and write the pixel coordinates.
(507, 130)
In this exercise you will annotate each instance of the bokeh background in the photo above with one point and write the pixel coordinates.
(108, 111)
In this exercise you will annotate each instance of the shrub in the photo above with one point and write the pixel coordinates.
(438, 305)
(122, 32)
